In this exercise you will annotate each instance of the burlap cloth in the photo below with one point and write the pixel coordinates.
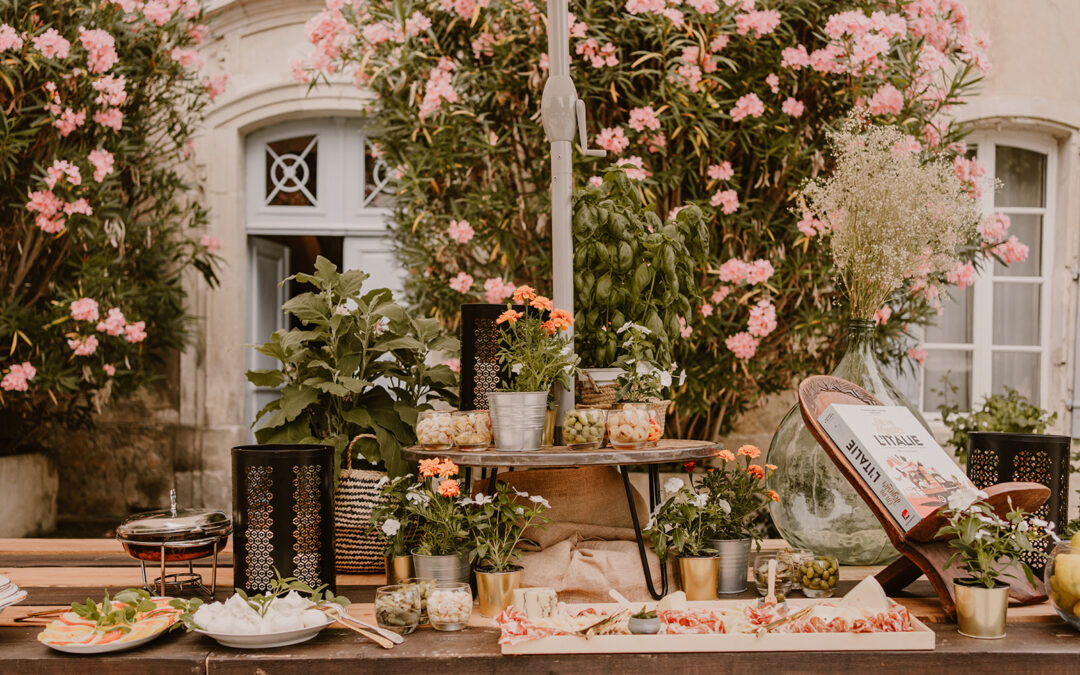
(589, 546)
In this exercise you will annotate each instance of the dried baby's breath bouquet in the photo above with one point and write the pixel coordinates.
(892, 213)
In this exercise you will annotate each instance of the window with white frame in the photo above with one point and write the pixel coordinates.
(994, 333)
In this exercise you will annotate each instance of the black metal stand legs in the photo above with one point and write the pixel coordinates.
(654, 499)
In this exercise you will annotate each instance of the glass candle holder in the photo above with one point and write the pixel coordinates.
(585, 428)
(472, 429)
(629, 425)
(397, 607)
(818, 576)
(449, 606)
(782, 585)
(435, 429)
(424, 586)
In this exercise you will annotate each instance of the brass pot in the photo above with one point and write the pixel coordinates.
(495, 590)
(981, 611)
(549, 427)
(398, 569)
(699, 577)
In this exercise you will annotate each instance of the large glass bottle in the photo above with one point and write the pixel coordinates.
(818, 508)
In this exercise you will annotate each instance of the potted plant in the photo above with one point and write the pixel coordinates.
(645, 368)
(988, 548)
(497, 524)
(445, 546)
(393, 519)
(1010, 413)
(738, 487)
(683, 524)
(538, 353)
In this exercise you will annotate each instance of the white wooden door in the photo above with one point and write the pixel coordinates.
(268, 264)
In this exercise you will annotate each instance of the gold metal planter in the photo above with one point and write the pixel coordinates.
(495, 590)
(699, 577)
(981, 611)
(398, 569)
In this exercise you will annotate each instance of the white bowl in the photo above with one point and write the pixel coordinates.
(266, 640)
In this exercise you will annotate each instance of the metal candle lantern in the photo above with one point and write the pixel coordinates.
(283, 515)
(996, 457)
(480, 371)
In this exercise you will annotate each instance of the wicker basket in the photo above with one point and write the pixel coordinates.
(593, 395)
(359, 547)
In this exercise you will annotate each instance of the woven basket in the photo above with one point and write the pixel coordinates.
(593, 395)
(358, 546)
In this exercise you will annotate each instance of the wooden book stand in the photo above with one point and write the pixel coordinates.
(922, 552)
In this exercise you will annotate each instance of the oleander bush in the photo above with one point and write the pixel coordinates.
(99, 102)
(724, 104)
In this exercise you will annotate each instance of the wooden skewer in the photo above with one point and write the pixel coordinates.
(791, 617)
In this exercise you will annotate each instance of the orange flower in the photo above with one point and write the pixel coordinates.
(447, 469)
(726, 456)
(541, 303)
(430, 467)
(771, 467)
(562, 318)
(688, 467)
(524, 293)
(549, 327)
(750, 451)
(509, 315)
(449, 488)
(756, 471)
(773, 496)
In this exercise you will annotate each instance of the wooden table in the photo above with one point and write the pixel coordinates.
(58, 571)
(666, 451)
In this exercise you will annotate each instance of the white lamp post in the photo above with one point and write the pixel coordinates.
(562, 111)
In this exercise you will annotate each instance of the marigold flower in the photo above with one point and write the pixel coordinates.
(771, 467)
(430, 467)
(562, 319)
(726, 455)
(688, 467)
(541, 303)
(773, 496)
(750, 451)
(447, 469)
(549, 327)
(756, 471)
(524, 293)
(509, 315)
(449, 488)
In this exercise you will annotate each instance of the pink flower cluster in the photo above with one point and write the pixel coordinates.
(463, 8)
(102, 161)
(793, 107)
(439, 87)
(881, 317)
(719, 294)
(721, 171)
(496, 290)
(329, 31)
(454, 364)
(110, 90)
(461, 283)
(83, 346)
(100, 49)
(743, 345)
(736, 271)
(188, 58)
(888, 100)
(51, 44)
(215, 85)
(596, 55)
(634, 167)
(62, 168)
(963, 275)
(16, 378)
(1011, 250)
(115, 325)
(760, 22)
(917, 354)
(685, 330)
(210, 243)
(460, 231)
(613, 139)
(748, 105)
(727, 200)
(762, 318)
(809, 225)
(84, 309)
(9, 38)
(993, 228)
(644, 118)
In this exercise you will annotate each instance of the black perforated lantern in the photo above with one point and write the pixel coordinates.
(997, 457)
(480, 371)
(283, 515)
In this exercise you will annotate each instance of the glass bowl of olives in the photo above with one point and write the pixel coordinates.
(584, 428)
(818, 576)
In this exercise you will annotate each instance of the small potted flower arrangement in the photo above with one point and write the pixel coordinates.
(683, 523)
(646, 366)
(738, 487)
(988, 547)
(445, 544)
(397, 523)
(538, 353)
(497, 524)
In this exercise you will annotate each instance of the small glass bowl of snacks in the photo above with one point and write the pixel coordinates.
(656, 425)
(449, 605)
(397, 607)
(424, 586)
(629, 425)
(472, 429)
(795, 557)
(783, 575)
(818, 576)
(584, 428)
(435, 429)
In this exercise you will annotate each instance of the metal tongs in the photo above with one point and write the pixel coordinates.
(382, 637)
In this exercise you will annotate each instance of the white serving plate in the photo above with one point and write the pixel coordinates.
(13, 599)
(105, 648)
(922, 638)
(266, 640)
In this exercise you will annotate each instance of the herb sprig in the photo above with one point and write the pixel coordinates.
(119, 612)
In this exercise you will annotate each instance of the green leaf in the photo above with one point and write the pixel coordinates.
(295, 399)
(266, 378)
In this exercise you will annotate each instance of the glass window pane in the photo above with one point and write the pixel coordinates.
(1019, 370)
(954, 325)
(292, 172)
(1023, 176)
(944, 369)
(1028, 229)
(1016, 313)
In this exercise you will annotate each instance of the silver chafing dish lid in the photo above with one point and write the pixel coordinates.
(174, 524)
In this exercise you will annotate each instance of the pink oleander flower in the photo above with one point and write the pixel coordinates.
(111, 90)
(215, 86)
(16, 378)
(994, 228)
(1011, 250)
(80, 205)
(496, 290)
(719, 294)
(83, 346)
(704, 6)
(809, 225)
(886, 101)
(211, 244)
(706, 310)
(613, 139)
(69, 121)
(917, 354)
(759, 272)
(44, 202)
(655, 142)
(645, 6)
(795, 57)
(135, 332)
(417, 23)
(188, 58)
(743, 345)
(908, 146)
(439, 87)
(793, 107)
(51, 44)
(460, 231)
(773, 81)
(762, 318)
(493, 138)
(454, 364)
(761, 22)
(299, 73)
(727, 200)
(157, 12)
(634, 167)
(61, 168)
(102, 161)
(675, 16)
(748, 105)
(84, 309)
(644, 118)
(718, 43)
(685, 330)
(111, 118)
(543, 62)
(113, 324)
(733, 271)
(963, 275)
(9, 38)
(721, 171)
(596, 181)
(100, 49)
(461, 283)
(109, 369)
(881, 317)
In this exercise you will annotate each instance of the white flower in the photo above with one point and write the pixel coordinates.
(963, 498)
(644, 368)
(519, 493)
(672, 485)
(516, 368)
(724, 505)
(480, 499)
(682, 375)
(1038, 522)
(567, 349)
(649, 525)
(381, 325)
(537, 499)
(519, 511)
(701, 500)
(382, 481)
(341, 310)
(391, 527)
(665, 379)
(417, 497)
(1023, 526)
